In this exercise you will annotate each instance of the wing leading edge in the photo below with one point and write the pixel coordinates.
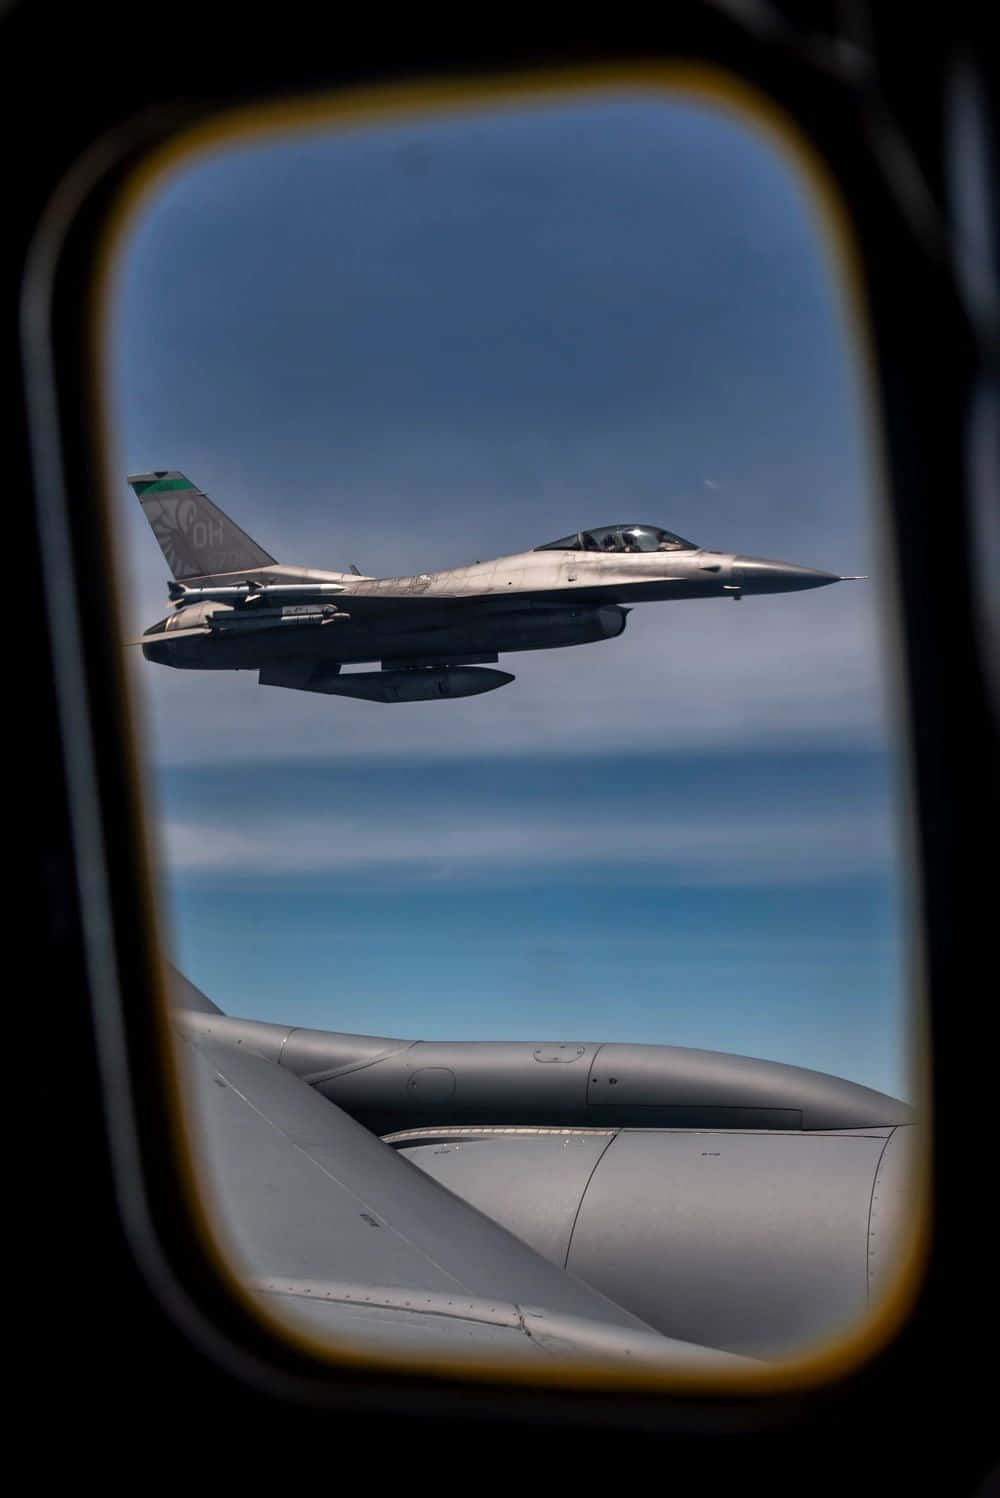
(341, 1235)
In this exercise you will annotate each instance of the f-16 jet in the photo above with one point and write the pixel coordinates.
(434, 634)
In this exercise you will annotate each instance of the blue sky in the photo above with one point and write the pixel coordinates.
(418, 345)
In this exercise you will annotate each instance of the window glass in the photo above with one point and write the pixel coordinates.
(620, 538)
(403, 787)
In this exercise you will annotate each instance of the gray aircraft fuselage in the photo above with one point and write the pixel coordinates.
(429, 631)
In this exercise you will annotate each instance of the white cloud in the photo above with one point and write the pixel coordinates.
(691, 845)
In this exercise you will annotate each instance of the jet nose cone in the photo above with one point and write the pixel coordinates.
(756, 575)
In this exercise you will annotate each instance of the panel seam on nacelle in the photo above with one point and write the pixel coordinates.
(583, 1193)
(285, 1039)
(868, 1225)
(314, 1079)
(587, 1103)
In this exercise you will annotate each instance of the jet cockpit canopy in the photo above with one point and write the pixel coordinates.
(621, 538)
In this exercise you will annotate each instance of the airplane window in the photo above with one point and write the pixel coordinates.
(568, 543)
(550, 873)
(664, 540)
(621, 538)
(632, 538)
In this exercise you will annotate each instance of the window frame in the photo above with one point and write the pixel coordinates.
(106, 907)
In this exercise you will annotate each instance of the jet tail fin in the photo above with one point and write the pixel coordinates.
(195, 536)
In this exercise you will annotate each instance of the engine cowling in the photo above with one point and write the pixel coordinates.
(725, 1200)
(759, 1243)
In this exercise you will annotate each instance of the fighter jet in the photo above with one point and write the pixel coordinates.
(236, 608)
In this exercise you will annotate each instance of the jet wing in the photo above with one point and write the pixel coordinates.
(341, 1235)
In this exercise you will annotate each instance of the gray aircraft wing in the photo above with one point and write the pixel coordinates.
(342, 1235)
(638, 1205)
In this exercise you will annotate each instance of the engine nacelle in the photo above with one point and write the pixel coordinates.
(727, 1201)
(759, 1243)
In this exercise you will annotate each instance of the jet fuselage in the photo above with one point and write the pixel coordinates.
(236, 608)
(533, 600)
